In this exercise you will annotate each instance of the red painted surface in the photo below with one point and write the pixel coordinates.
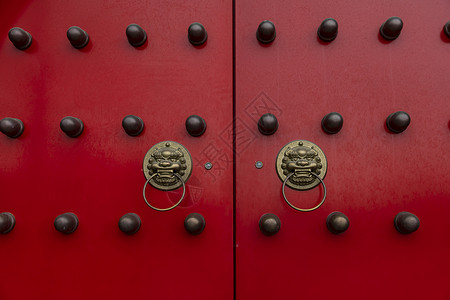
(372, 174)
(98, 176)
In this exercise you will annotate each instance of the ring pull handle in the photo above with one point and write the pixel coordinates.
(305, 209)
(302, 165)
(169, 164)
(169, 208)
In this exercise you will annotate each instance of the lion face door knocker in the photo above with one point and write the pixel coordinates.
(167, 166)
(301, 165)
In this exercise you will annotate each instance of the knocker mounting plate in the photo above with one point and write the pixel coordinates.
(301, 158)
(161, 163)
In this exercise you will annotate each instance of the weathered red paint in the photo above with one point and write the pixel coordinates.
(372, 173)
(98, 176)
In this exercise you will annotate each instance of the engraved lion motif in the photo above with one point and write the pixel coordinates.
(165, 162)
(302, 161)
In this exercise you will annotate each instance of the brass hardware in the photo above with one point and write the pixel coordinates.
(305, 209)
(167, 166)
(169, 208)
(164, 160)
(302, 165)
(302, 160)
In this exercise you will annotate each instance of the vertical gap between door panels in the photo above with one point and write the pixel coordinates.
(234, 145)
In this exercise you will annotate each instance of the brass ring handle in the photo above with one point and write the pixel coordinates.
(305, 209)
(169, 208)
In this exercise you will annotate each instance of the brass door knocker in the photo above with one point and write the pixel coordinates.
(301, 165)
(167, 166)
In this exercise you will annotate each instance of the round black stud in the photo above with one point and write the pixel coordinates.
(194, 223)
(77, 37)
(332, 123)
(406, 222)
(136, 35)
(268, 124)
(328, 30)
(130, 223)
(398, 122)
(197, 34)
(337, 222)
(195, 125)
(66, 223)
(269, 224)
(390, 30)
(266, 32)
(11, 127)
(447, 29)
(20, 38)
(72, 126)
(7, 222)
(133, 125)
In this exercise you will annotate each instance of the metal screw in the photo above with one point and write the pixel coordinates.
(208, 166)
(259, 164)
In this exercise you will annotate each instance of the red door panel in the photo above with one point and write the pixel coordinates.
(372, 174)
(98, 176)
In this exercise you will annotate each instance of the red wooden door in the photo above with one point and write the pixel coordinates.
(372, 174)
(98, 175)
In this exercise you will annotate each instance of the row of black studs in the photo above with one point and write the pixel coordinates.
(79, 38)
(129, 223)
(197, 35)
(194, 223)
(328, 30)
(337, 223)
(195, 125)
